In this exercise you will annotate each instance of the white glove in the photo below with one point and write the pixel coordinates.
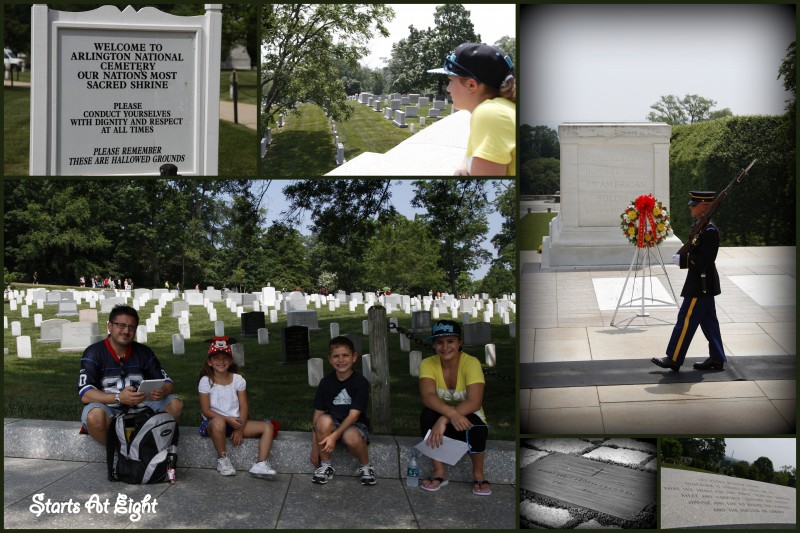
(676, 259)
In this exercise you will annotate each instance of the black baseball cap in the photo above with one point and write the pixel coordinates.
(485, 63)
(445, 328)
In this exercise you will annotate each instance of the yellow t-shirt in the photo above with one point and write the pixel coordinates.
(469, 372)
(493, 133)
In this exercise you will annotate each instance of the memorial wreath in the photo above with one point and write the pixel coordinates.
(645, 222)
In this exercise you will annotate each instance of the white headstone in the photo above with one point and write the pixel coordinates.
(237, 350)
(37, 320)
(24, 311)
(365, 327)
(77, 336)
(178, 347)
(315, 372)
(24, 347)
(273, 316)
(141, 334)
(366, 367)
(185, 330)
(219, 328)
(405, 343)
(263, 336)
(16, 328)
(414, 360)
(334, 329)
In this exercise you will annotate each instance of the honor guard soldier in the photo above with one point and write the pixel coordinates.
(702, 285)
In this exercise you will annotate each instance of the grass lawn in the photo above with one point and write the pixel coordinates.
(248, 86)
(531, 228)
(45, 386)
(238, 145)
(304, 146)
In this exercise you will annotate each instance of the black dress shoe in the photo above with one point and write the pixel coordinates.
(666, 362)
(709, 364)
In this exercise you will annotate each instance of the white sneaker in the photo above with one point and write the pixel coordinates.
(322, 474)
(225, 467)
(262, 468)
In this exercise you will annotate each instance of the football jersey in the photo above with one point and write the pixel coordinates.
(102, 369)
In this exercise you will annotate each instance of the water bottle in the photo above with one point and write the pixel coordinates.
(171, 468)
(412, 475)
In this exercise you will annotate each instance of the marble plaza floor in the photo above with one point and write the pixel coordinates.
(566, 315)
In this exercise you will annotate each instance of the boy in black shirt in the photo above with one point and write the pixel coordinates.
(339, 408)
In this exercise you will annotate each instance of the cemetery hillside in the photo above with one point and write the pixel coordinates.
(199, 257)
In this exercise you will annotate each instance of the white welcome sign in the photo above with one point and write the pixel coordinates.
(124, 92)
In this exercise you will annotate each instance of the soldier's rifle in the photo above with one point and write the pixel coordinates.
(705, 218)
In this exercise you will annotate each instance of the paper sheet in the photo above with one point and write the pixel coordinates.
(450, 452)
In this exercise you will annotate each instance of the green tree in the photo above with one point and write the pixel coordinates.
(538, 141)
(742, 470)
(239, 28)
(301, 45)
(424, 49)
(501, 277)
(671, 449)
(344, 214)
(690, 109)
(457, 213)
(287, 264)
(453, 27)
(710, 451)
(540, 176)
(763, 469)
(403, 254)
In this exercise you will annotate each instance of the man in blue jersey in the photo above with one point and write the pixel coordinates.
(111, 371)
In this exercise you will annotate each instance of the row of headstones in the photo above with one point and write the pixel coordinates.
(266, 141)
(340, 160)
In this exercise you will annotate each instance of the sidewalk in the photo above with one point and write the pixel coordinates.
(50, 459)
(567, 314)
(248, 113)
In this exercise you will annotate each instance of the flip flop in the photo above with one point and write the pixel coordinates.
(442, 483)
(479, 490)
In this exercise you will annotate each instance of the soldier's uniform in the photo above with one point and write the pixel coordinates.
(698, 307)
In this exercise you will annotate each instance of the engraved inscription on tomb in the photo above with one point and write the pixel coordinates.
(609, 178)
(614, 490)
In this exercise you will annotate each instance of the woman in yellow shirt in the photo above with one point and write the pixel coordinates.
(451, 387)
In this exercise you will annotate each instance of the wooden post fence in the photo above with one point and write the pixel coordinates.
(379, 380)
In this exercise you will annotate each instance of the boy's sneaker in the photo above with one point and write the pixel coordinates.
(322, 474)
(262, 469)
(367, 474)
(225, 467)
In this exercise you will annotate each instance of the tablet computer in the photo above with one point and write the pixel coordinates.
(149, 385)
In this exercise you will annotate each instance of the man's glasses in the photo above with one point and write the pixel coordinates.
(123, 326)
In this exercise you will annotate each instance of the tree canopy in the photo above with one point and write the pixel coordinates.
(302, 45)
(690, 109)
(215, 232)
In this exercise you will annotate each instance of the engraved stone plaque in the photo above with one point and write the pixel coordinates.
(614, 490)
(696, 499)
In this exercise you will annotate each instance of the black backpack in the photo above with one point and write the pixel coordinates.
(143, 455)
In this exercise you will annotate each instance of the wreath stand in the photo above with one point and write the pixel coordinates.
(641, 258)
